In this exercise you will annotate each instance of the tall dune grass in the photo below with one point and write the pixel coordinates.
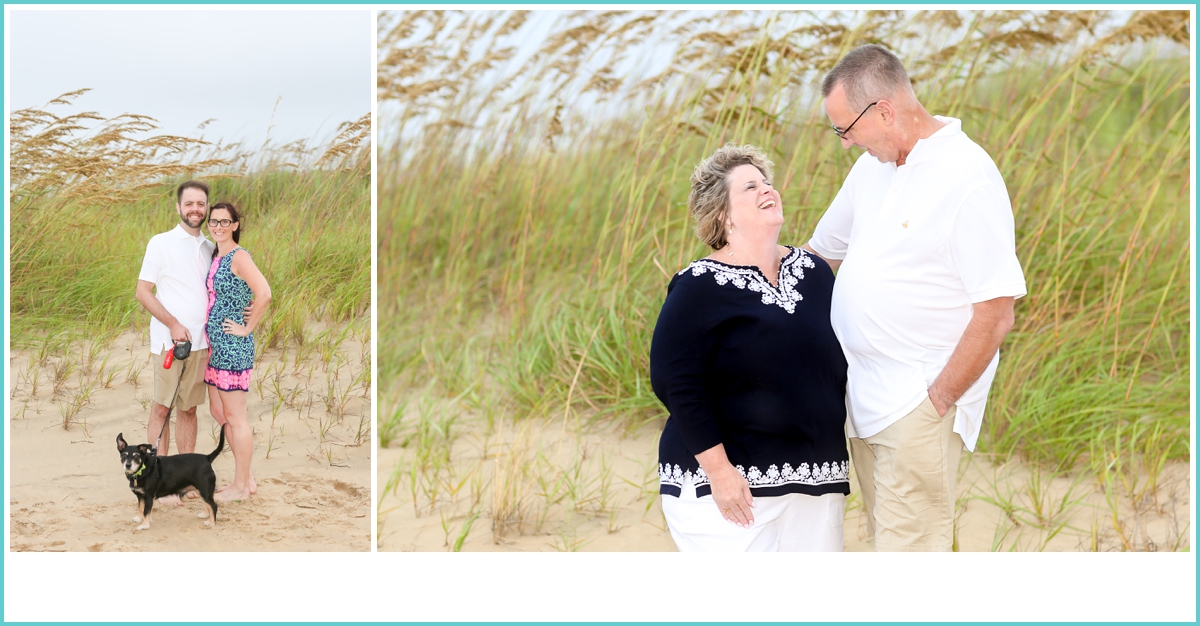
(531, 213)
(88, 193)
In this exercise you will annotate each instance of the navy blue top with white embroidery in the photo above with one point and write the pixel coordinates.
(739, 361)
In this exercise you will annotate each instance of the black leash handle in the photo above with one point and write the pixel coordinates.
(167, 419)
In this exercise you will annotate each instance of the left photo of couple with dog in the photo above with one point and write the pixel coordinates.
(190, 282)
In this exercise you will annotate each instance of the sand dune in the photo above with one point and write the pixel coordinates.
(539, 485)
(311, 458)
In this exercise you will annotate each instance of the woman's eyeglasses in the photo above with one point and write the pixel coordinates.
(221, 223)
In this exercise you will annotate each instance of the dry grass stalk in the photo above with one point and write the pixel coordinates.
(511, 488)
(54, 155)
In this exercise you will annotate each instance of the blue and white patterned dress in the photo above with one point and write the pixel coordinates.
(231, 358)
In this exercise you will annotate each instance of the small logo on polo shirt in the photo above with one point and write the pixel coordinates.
(905, 224)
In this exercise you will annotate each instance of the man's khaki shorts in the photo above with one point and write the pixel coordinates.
(192, 390)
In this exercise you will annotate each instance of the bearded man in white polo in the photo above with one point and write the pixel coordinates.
(922, 230)
(171, 287)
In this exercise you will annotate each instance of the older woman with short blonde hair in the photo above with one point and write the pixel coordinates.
(753, 455)
(708, 201)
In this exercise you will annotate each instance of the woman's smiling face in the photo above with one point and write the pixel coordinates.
(220, 233)
(753, 201)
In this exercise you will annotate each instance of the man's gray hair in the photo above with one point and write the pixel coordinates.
(867, 73)
(709, 200)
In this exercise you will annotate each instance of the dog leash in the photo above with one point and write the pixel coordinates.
(181, 351)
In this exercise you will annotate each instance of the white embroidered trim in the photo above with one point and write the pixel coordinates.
(791, 272)
(803, 474)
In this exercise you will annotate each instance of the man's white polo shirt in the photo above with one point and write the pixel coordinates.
(919, 244)
(177, 263)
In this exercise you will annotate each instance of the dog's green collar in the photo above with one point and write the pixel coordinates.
(140, 470)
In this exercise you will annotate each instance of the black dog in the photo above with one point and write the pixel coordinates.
(151, 476)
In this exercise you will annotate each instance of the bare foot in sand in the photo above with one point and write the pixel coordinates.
(253, 487)
(230, 493)
(171, 500)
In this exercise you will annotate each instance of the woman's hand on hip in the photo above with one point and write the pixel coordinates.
(233, 328)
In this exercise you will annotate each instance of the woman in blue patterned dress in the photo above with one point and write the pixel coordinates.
(233, 281)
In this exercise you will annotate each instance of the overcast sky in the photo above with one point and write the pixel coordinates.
(183, 67)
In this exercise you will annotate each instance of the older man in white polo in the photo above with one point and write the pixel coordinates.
(922, 230)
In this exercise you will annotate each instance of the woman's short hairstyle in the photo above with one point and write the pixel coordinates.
(708, 202)
(867, 73)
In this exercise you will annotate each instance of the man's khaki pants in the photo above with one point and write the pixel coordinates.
(906, 473)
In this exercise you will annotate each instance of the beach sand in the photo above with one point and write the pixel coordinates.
(560, 486)
(311, 459)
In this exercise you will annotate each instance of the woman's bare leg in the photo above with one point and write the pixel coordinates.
(233, 404)
(214, 405)
(217, 409)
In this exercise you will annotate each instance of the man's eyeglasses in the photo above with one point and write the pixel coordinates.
(221, 223)
(842, 133)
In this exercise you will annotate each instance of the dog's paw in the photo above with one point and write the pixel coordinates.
(202, 514)
(137, 519)
(208, 524)
(144, 527)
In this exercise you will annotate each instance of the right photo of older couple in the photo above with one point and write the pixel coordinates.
(784, 281)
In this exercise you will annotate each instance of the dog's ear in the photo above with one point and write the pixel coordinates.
(121, 442)
(149, 449)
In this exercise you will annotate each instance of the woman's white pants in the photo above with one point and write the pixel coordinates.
(788, 523)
